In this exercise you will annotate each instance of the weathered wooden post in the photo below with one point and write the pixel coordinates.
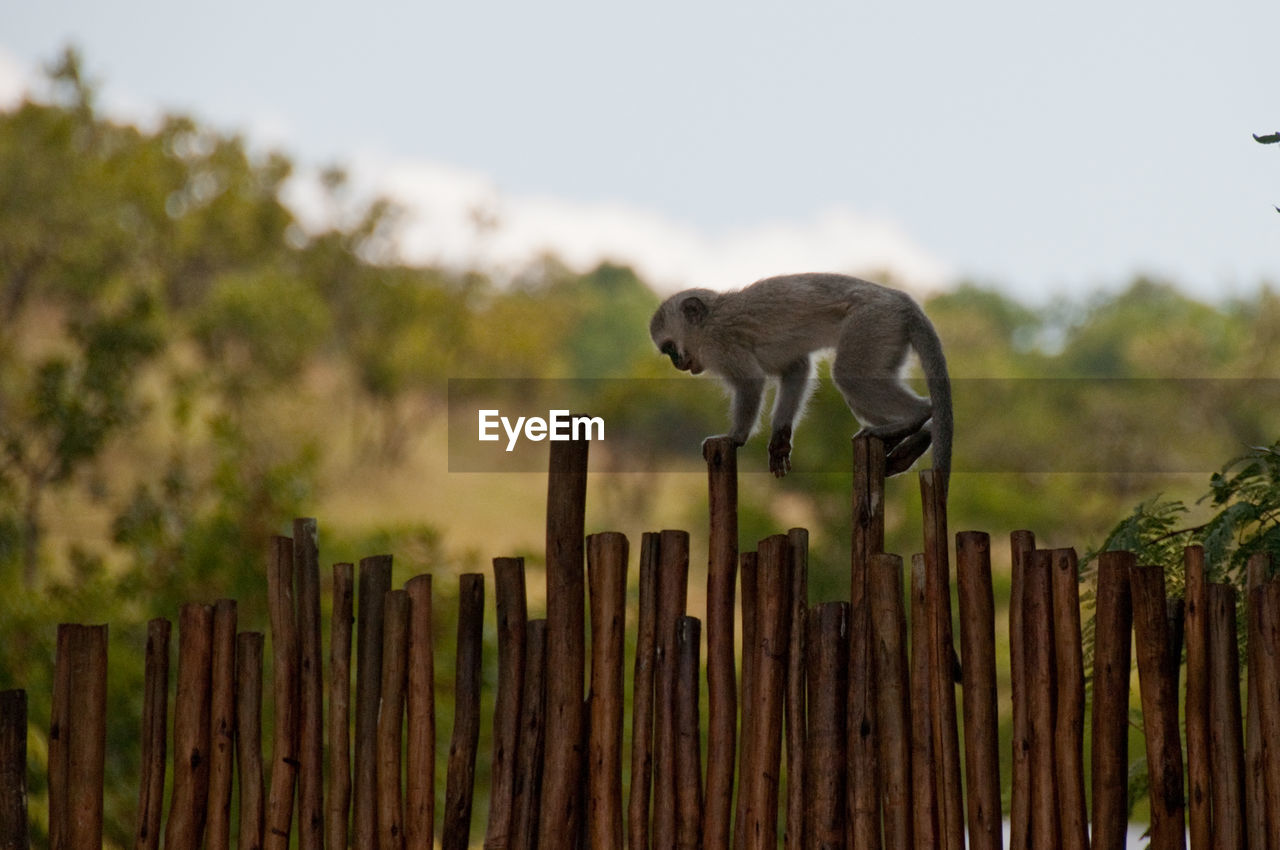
(673, 585)
(688, 738)
(306, 566)
(1038, 634)
(607, 575)
(1226, 732)
(155, 725)
(562, 814)
(337, 817)
(941, 667)
(529, 758)
(795, 701)
(1199, 773)
(721, 456)
(642, 697)
(374, 582)
(770, 651)
(828, 674)
(284, 667)
(187, 804)
(14, 830)
(222, 724)
(460, 778)
(868, 539)
(978, 674)
(420, 709)
(1113, 624)
(512, 612)
(395, 672)
(1021, 544)
(893, 703)
(1073, 817)
(249, 739)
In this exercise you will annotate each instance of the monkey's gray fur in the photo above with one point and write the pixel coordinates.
(772, 329)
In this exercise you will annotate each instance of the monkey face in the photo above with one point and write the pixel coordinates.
(683, 362)
(676, 329)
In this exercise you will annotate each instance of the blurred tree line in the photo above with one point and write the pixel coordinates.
(179, 357)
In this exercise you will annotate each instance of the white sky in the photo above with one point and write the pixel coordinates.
(1048, 151)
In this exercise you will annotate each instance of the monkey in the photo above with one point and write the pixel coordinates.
(773, 328)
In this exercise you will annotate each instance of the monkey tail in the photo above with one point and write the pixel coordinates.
(924, 339)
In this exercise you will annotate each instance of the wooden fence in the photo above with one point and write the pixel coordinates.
(854, 702)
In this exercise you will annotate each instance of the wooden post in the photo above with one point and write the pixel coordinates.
(1073, 816)
(249, 739)
(978, 671)
(395, 650)
(1267, 599)
(721, 455)
(642, 698)
(868, 538)
(1038, 635)
(512, 614)
(1226, 735)
(375, 581)
(795, 702)
(284, 667)
(187, 805)
(155, 724)
(688, 739)
(607, 575)
(420, 709)
(77, 737)
(59, 734)
(1197, 711)
(14, 831)
(773, 622)
(339, 804)
(528, 784)
(306, 565)
(924, 763)
(222, 724)
(566, 505)
(1255, 772)
(86, 749)
(1021, 544)
(460, 779)
(1159, 706)
(893, 706)
(673, 574)
(942, 646)
(1113, 620)
(828, 673)
(748, 568)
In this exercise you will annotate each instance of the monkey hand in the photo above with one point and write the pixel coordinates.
(780, 451)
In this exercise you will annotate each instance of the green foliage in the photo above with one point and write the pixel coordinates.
(261, 324)
(1244, 497)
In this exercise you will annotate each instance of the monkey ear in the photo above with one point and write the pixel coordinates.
(694, 309)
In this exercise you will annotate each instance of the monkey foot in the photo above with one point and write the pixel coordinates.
(780, 452)
(907, 452)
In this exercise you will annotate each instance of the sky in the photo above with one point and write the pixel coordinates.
(1050, 152)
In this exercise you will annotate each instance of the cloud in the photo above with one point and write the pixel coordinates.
(15, 81)
(460, 217)
(455, 216)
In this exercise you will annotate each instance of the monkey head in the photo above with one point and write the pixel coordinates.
(676, 328)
